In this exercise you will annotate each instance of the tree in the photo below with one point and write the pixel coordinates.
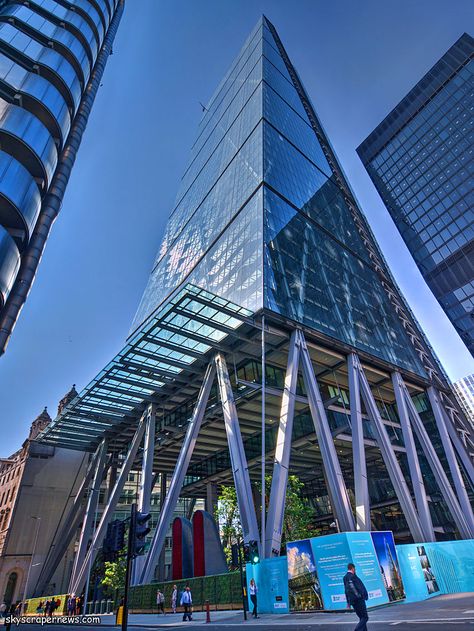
(297, 524)
(228, 519)
(114, 574)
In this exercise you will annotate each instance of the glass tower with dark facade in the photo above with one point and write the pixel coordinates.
(52, 55)
(421, 160)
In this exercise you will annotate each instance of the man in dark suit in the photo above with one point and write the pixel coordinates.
(356, 595)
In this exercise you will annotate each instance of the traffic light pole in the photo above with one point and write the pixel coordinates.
(242, 580)
(128, 571)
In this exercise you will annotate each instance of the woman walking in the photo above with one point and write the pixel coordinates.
(174, 598)
(160, 601)
(253, 596)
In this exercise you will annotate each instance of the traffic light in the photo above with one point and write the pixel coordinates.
(235, 555)
(254, 555)
(118, 536)
(246, 553)
(139, 530)
(114, 540)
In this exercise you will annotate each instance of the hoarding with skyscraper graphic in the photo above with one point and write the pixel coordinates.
(389, 567)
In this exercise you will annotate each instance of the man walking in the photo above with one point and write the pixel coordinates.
(356, 595)
(187, 603)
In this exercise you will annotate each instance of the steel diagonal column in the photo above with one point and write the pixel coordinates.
(182, 464)
(68, 529)
(146, 478)
(390, 458)
(461, 519)
(463, 451)
(109, 508)
(413, 462)
(335, 482)
(361, 487)
(276, 508)
(461, 492)
(238, 459)
(89, 517)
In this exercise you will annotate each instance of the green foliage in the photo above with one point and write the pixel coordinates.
(299, 515)
(114, 574)
(228, 519)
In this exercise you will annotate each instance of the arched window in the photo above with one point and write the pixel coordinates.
(10, 589)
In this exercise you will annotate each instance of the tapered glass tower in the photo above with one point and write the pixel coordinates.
(265, 219)
(272, 339)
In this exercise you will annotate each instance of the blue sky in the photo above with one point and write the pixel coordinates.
(356, 59)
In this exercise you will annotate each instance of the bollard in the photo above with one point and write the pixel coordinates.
(208, 612)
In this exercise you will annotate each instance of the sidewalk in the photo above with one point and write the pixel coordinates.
(448, 608)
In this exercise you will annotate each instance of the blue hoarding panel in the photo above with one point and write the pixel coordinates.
(412, 572)
(451, 563)
(364, 557)
(331, 555)
(389, 566)
(271, 577)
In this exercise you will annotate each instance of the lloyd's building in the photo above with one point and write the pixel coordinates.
(271, 339)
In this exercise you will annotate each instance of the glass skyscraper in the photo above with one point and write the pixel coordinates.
(265, 218)
(272, 339)
(52, 56)
(464, 389)
(421, 159)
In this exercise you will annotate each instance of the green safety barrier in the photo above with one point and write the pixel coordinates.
(223, 591)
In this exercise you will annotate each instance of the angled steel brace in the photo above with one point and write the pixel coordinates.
(390, 458)
(463, 454)
(361, 487)
(68, 529)
(437, 468)
(238, 459)
(404, 414)
(276, 507)
(177, 479)
(335, 481)
(90, 514)
(109, 508)
(146, 480)
(441, 423)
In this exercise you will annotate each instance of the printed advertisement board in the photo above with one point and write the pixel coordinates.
(317, 566)
(271, 577)
(389, 566)
(303, 582)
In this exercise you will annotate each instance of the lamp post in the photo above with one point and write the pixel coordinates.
(38, 522)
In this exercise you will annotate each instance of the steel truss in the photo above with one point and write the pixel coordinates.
(299, 359)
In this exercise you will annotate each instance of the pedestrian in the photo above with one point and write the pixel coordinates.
(47, 605)
(3, 609)
(160, 601)
(356, 595)
(253, 597)
(174, 598)
(71, 605)
(10, 614)
(52, 607)
(187, 603)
